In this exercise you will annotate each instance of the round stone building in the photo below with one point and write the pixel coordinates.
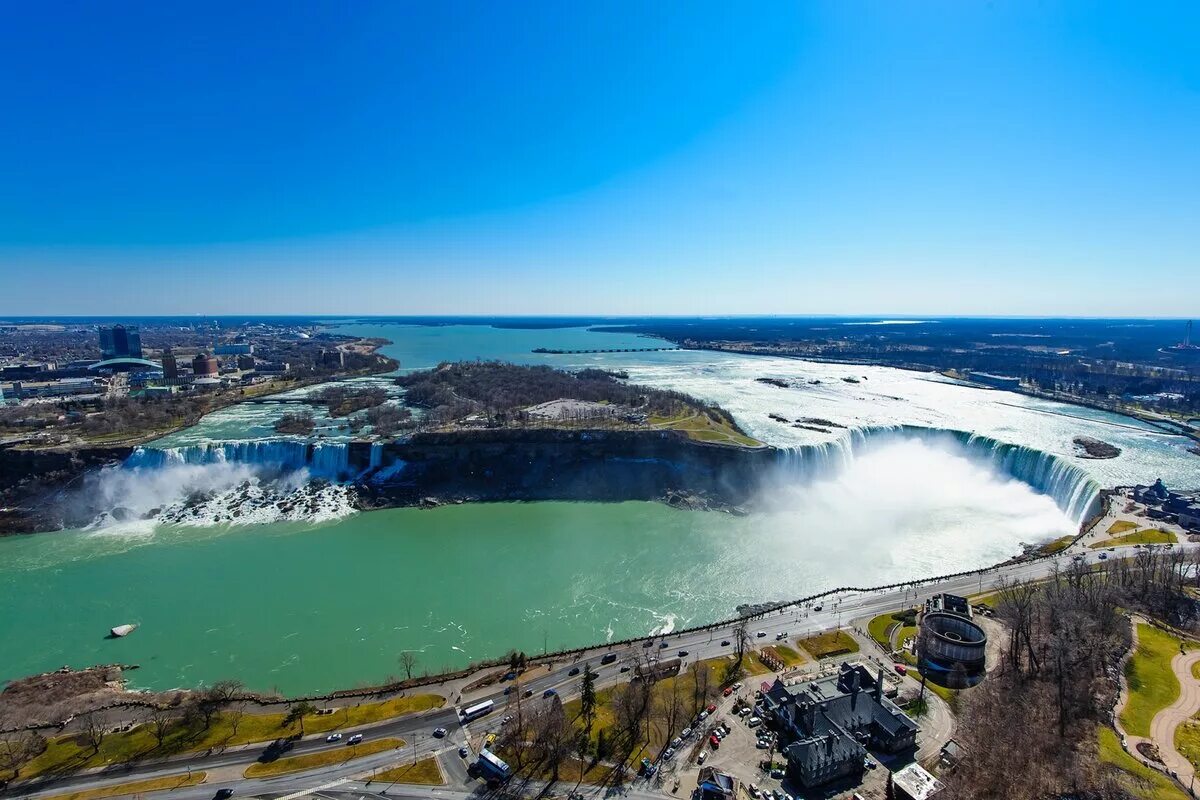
(951, 646)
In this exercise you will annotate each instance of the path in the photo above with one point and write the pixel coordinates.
(1164, 723)
(1162, 727)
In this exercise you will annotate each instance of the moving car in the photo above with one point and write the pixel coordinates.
(549, 693)
(355, 739)
(333, 737)
(608, 658)
(223, 793)
(438, 733)
(463, 752)
(683, 653)
(574, 671)
(725, 643)
(761, 634)
(779, 637)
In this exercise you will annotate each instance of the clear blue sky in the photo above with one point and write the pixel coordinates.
(623, 158)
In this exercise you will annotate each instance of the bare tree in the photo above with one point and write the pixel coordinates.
(17, 750)
(93, 730)
(297, 712)
(408, 661)
(160, 723)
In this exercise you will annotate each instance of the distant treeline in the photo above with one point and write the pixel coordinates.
(455, 390)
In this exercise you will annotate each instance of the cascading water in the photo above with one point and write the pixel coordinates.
(328, 460)
(1071, 488)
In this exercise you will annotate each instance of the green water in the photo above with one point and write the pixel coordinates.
(305, 609)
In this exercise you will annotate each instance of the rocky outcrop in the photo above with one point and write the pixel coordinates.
(566, 465)
(29, 476)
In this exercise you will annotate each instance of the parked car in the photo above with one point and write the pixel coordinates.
(438, 733)
(670, 753)
(703, 715)
(714, 741)
(686, 733)
(711, 708)
(728, 691)
(703, 755)
(333, 737)
(818, 608)
(676, 741)
(355, 739)
(664, 645)
(463, 752)
(754, 722)
(737, 686)
(647, 643)
(777, 773)
(901, 669)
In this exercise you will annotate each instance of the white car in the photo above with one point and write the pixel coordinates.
(754, 722)
(737, 686)
(676, 741)
(703, 755)
(355, 739)
(669, 754)
(686, 733)
(333, 737)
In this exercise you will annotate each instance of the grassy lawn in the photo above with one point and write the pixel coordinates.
(1121, 526)
(684, 683)
(1056, 546)
(1147, 783)
(334, 755)
(1148, 536)
(425, 772)
(135, 787)
(704, 428)
(1187, 740)
(790, 656)
(833, 643)
(69, 753)
(1152, 685)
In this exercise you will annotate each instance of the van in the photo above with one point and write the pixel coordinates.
(608, 658)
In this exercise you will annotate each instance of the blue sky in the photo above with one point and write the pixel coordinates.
(616, 158)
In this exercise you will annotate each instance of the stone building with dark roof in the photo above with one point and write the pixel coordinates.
(825, 726)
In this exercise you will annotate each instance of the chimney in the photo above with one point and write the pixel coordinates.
(879, 686)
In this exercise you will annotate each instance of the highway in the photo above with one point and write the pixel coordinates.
(417, 730)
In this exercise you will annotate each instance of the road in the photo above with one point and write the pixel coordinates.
(417, 730)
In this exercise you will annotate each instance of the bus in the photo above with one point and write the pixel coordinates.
(478, 710)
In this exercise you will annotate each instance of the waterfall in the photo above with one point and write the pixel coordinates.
(323, 459)
(1071, 488)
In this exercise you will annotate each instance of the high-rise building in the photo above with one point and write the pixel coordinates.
(170, 365)
(120, 341)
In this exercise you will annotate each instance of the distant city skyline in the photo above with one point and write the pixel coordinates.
(622, 159)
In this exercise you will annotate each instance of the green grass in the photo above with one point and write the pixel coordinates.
(425, 772)
(659, 736)
(324, 758)
(1148, 536)
(1187, 741)
(833, 643)
(1121, 526)
(704, 428)
(135, 787)
(1146, 783)
(1056, 546)
(1152, 684)
(69, 753)
(791, 657)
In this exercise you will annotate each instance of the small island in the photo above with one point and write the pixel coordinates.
(1087, 447)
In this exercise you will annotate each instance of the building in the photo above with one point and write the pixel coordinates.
(951, 647)
(205, 366)
(245, 362)
(334, 359)
(67, 387)
(170, 366)
(825, 726)
(234, 349)
(1169, 505)
(914, 782)
(120, 341)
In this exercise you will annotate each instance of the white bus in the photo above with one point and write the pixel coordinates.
(478, 710)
